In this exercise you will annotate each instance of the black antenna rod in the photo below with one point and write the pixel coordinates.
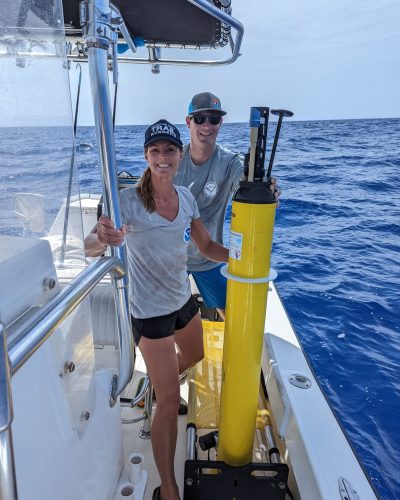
(281, 113)
(115, 103)
(77, 98)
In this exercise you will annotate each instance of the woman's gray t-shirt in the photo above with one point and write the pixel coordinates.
(157, 254)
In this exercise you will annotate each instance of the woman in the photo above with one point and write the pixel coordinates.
(160, 219)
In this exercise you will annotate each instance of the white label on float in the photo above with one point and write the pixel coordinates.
(235, 245)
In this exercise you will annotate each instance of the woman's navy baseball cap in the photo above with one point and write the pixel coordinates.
(205, 102)
(162, 131)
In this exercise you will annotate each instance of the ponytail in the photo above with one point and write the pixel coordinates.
(145, 191)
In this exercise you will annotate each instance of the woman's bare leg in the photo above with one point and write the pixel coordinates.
(162, 364)
(190, 343)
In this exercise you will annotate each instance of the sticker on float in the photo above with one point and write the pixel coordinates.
(235, 245)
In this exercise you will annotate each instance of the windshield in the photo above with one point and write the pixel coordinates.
(39, 189)
(39, 199)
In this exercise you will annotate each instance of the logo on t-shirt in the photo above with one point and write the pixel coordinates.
(186, 234)
(210, 189)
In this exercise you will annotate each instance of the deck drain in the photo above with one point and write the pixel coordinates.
(300, 381)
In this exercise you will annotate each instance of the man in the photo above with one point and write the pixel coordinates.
(212, 173)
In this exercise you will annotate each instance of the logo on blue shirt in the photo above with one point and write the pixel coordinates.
(186, 234)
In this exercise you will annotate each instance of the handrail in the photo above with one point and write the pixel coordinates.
(8, 485)
(123, 29)
(5, 382)
(99, 34)
(26, 340)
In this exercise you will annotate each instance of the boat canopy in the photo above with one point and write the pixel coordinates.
(153, 25)
(176, 22)
(199, 25)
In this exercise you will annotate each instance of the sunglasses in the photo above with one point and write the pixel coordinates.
(212, 119)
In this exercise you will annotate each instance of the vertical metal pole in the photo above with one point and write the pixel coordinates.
(71, 170)
(99, 37)
(8, 484)
(145, 431)
(190, 442)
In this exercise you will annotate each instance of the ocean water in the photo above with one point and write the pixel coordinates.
(337, 252)
(336, 249)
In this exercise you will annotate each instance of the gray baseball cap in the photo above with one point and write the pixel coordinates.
(205, 102)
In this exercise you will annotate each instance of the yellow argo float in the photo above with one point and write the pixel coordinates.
(248, 272)
(244, 327)
(234, 475)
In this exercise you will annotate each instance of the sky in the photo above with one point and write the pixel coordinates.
(321, 59)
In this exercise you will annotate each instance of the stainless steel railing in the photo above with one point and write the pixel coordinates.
(8, 489)
(27, 339)
(30, 335)
(99, 35)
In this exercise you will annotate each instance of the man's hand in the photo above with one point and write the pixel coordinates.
(275, 189)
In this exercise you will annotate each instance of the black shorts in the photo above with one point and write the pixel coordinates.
(164, 326)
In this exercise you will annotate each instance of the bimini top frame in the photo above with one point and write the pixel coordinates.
(176, 24)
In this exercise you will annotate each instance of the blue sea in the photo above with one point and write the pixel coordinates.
(337, 252)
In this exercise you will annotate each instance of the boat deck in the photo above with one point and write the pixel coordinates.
(134, 443)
